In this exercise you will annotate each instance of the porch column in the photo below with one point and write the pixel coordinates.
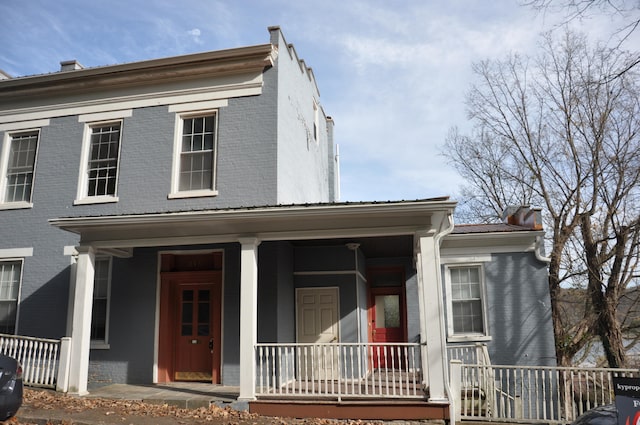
(432, 314)
(248, 316)
(81, 320)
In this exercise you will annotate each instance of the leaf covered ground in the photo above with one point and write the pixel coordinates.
(45, 407)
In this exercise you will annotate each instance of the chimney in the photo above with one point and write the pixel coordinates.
(71, 65)
(523, 216)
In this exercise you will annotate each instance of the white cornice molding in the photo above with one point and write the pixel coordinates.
(219, 62)
(252, 87)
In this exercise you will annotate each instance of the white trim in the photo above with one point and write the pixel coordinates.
(450, 259)
(70, 250)
(15, 253)
(106, 116)
(486, 250)
(331, 273)
(249, 88)
(196, 106)
(193, 193)
(82, 197)
(4, 166)
(451, 335)
(25, 125)
(88, 200)
(176, 193)
(16, 205)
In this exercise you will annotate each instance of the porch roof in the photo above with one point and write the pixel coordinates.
(279, 222)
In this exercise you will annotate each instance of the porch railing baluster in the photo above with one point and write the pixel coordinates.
(339, 370)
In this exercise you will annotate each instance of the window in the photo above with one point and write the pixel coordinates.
(194, 165)
(465, 301)
(102, 168)
(20, 161)
(101, 291)
(99, 168)
(10, 274)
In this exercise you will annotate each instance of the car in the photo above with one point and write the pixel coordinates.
(601, 415)
(10, 387)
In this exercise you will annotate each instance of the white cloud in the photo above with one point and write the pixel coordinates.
(195, 34)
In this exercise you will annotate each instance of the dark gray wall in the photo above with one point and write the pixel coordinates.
(519, 310)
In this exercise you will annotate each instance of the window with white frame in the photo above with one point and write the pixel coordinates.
(465, 288)
(100, 158)
(10, 277)
(195, 161)
(19, 166)
(101, 292)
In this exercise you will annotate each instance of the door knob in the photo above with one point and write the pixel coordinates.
(211, 345)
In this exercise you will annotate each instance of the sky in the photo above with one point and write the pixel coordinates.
(392, 74)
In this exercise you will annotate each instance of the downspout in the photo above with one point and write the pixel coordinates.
(538, 250)
(453, 412)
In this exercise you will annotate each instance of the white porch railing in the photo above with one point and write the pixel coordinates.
(39, 358)
(339, 370)
(469, 353)
(531, 394)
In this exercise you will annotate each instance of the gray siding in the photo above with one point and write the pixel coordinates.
(518, 311)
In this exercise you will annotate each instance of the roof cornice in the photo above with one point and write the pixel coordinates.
(214, 63)
(296, 221)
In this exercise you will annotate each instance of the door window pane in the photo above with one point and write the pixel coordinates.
(387, 311)
(187, 313)
(203, 313)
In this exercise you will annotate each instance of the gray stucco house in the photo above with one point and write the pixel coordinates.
(179, 219)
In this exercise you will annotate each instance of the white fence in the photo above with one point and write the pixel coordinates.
(39, 358)
(339, 370)
(531, 394)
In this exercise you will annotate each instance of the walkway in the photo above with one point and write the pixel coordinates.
(190, 395)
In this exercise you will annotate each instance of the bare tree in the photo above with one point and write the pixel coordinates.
(627, 11)
(555, 131)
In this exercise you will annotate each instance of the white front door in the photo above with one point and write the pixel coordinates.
(317, 323)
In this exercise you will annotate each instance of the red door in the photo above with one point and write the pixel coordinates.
(197, 348)
(386, 316)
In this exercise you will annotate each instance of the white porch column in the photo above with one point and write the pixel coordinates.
(81, 320)
(429, 282)
(248, 316)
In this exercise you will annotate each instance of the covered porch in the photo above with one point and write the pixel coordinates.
(277, 361)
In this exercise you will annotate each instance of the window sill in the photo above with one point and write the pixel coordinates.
(16, 205)
(192, 194)
(469, 338)
(99, 345)
(96, 200)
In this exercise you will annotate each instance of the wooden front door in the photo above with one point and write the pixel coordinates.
(387, 317)
(190, 327)
(317, 323)
(195, 336)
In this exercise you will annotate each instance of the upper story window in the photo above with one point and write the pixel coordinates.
(466, 308)
(102, 169)
(99, 168)
(20, 166)
(194, 170)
